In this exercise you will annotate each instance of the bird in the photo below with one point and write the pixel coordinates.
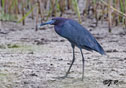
(77, 35)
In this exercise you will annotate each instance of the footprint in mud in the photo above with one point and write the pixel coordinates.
(109, 51)
(62, 77)
(110, 82)
(46, 41)
(41, 41)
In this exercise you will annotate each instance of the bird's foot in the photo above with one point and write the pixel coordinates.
(62, 77)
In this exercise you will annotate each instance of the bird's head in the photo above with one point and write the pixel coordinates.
(54, 21)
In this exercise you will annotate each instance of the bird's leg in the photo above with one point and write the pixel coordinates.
(83, 64)
(71, 62)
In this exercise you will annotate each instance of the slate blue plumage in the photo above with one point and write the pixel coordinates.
(77, 35)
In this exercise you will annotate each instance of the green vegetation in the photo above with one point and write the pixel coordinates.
(113, 11)
(13, 46)
(77, 9)
(7, 17)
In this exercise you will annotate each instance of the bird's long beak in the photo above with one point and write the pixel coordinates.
(48, 22)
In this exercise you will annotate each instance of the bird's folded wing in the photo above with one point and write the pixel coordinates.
(80, 36)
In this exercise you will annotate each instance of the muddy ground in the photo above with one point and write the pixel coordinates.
(30, 59)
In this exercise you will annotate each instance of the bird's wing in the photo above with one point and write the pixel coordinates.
(80, 36)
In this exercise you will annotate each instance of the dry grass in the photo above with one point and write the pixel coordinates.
(113, 11)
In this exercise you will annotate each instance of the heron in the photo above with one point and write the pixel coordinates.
(77, 35)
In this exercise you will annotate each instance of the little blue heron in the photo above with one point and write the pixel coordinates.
(77, 35)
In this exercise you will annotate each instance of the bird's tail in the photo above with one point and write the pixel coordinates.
(100, 49)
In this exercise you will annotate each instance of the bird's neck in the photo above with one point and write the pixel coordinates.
(57, 29)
